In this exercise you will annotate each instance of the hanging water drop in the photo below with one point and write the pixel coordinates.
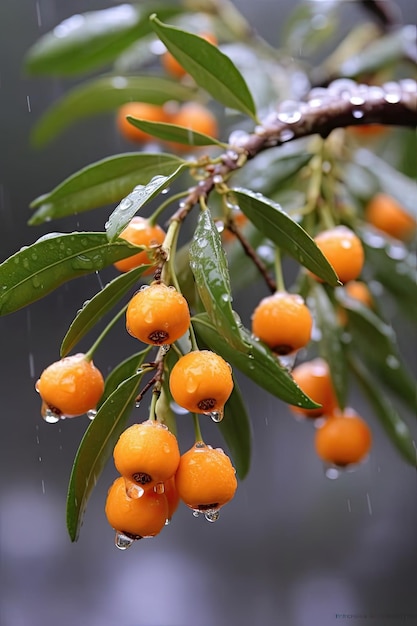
(196, 512)
(217, 416)
(91, 413)
(134, 491)
(332, 473)
(122, 541)
(49, 416)
(212, 515)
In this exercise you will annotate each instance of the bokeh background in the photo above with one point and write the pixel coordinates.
(293, 549)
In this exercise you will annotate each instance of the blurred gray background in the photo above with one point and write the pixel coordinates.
(292, 549)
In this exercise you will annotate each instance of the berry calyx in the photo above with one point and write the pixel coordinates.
(206, 478)
(344, 251)
(283, 322)
(157, 315)
(313, 377)
(135, 517)
(201, 381)
(387, 215)
(71, 386)
(147, 454)
(343, 439)
(141, 110)
(140, 232)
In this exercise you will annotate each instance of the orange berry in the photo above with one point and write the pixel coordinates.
(386, 214)
(135, 517)
(343, 439)
(195, 117)
(147, 453)
(141, 110)
(344, 251)
(201, 382)
(206, 478)
(71, 386)
(313, 377)
(158, 315)
(173, 67)
(240, 220)
(357, 290)
(283, 322)
(141, 233)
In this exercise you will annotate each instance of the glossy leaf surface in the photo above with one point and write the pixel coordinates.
(171, 132)
(103, 182)
(36, 270)
(287, 234)
(210, 68)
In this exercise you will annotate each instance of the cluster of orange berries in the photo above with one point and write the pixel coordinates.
(154, 477)
(342, 438)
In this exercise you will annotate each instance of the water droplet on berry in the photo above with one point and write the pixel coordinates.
(122, 541)
(191, 385)
(216, 416)
(212, 515)
(49, 416)
(196, 512)
(91, 413)
(159, 488)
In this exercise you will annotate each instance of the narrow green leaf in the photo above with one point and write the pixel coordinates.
(258, 363)
(93, 310)
(390, 180)
(330, 346)
(209, 266)
(210, 68)
(131, 204)
(95, 449)
(381, 53)
(104, 94)
(103, 182)
(377, 343)
(172, 132)
(235, 428)
(90, 40)
(54, 259)
(287, 234)
(394, 267)
(396, 429)
(122, 371)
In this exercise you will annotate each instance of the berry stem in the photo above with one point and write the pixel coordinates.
(279, 274)
(197, 429)
(169, 247)
(90, 353)
(156, 214)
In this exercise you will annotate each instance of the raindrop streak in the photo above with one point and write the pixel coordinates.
(368, 499)
(38, 14)
(123, 542)
(28, 103)
(100, 282)
(43, 486)
(349, 506)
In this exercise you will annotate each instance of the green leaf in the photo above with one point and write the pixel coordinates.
(236, 430)
(54, 259)
(172, 132)
(376, 340)
(90, 40)
(131, 204)
(104, 94)
(382, 52)
(287, 234)
(96, 448)
(93, 310)
(395, 268)
(258, 363)
(210, 68)
(301, 36)
(396, 429)
(209, 266)
(123, 370)
(390, 180)
(330, 344)
(103, 182)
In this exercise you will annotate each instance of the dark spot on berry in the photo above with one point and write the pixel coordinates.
(141, 478)
(207, 404)
(158, 337)
(207, 507)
